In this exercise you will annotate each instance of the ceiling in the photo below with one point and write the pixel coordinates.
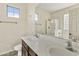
(51, 7)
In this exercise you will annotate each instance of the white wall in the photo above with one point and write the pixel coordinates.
(10, 33)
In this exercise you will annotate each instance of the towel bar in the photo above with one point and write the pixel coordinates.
(7, 22)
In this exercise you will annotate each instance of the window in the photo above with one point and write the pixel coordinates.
(66, 21)
(36, 17)
(66, 26)
(13, 12)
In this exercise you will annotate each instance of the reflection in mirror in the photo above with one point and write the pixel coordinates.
(58, 24)
(41, 24)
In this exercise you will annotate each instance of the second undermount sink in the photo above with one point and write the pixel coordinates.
(59, 51)
(74, 47)
(72, 50)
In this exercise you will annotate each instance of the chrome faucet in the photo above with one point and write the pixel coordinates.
(69, 45)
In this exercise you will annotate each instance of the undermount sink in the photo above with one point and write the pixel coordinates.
(72, 50)
(59, 51)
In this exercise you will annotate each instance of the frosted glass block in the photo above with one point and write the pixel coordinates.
(16, 15)
(10, 14)
(13, 12)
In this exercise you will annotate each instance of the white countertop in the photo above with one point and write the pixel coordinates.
(47, 47)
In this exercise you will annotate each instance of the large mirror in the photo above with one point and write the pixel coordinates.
(61, 23)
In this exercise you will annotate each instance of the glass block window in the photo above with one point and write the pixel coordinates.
(13, 11)
(66, 21)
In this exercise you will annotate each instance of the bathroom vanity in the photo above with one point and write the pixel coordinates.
(45, 46)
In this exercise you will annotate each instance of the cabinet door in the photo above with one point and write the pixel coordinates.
(24, 51)
(32, 53)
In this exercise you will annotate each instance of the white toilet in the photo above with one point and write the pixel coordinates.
(18, 48)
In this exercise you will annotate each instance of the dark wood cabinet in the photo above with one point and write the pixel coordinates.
(26, 50)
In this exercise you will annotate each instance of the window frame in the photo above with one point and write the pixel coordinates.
(15, 8)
